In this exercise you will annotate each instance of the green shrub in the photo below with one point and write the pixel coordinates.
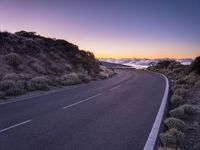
(191, 79)
(38, 83)
(6, 84)
(171, 138)
(180, 92)
(13, 59)
(11, 76)
(174, 123)
(180, 81)
(176, 100)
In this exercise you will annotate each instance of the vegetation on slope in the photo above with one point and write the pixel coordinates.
(32, 62)
(183, 123)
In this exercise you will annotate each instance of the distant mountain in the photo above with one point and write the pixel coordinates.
(143, 62)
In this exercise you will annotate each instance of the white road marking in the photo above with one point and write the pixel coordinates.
(87, 99)
(16, 125)
(156, 126)
(116, 87)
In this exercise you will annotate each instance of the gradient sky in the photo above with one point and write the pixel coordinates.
(112, 28)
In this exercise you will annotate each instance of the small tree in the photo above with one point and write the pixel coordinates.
(195, 65)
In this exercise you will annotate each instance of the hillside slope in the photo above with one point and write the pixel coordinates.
(32, 62)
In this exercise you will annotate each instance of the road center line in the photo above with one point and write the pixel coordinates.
(84, 100)
(16, 125)
(114, 88)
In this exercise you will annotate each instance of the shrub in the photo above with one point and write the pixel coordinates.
(195, 65)
(180, 81)
(176, 100)
(25, 76)
(38, 83)
(13, 59)
(191, 78)
(6, 84)
(15, 90)
(2, 94)
(174, 123)
(69, 79)
(188, 109)
(177, 113)
(180, 92)
(197, 84)
(38, 68)
(167, 148)
(171, 138)
(182, 111)
(11, 76)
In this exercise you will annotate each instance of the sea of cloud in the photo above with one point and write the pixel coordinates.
(142, 63)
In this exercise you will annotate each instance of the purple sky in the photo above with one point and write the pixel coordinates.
(131, 28)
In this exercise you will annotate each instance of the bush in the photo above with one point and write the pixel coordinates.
(197, 84)
(2, 94)
(180, 92)
(171, 138)
(13, 59)
(176, 100)
(167, 148)
(6, 84)
(182, 111)
(11, 76)
(174, 123)
(38, 68)
(177, 113)
(191, 79)
(15, 90)
(38, 83)
(69, 79)
(195, 65)
(25, 76)
(188, 109)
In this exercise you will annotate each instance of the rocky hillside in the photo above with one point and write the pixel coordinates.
(32, 62)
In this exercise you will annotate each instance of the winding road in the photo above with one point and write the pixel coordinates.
(112, 114)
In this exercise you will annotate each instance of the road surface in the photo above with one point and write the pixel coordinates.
(112, 114)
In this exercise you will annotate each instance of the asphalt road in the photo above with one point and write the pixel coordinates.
(112, 114)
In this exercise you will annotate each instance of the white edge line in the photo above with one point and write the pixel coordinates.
(16, 125)
(116, 87)
(156, 126)
(87, 99)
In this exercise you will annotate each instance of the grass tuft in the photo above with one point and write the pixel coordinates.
(174, 123)
(176, 100)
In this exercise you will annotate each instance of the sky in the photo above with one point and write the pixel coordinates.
(112, 28)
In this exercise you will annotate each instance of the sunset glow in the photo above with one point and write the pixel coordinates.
(114, 29)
